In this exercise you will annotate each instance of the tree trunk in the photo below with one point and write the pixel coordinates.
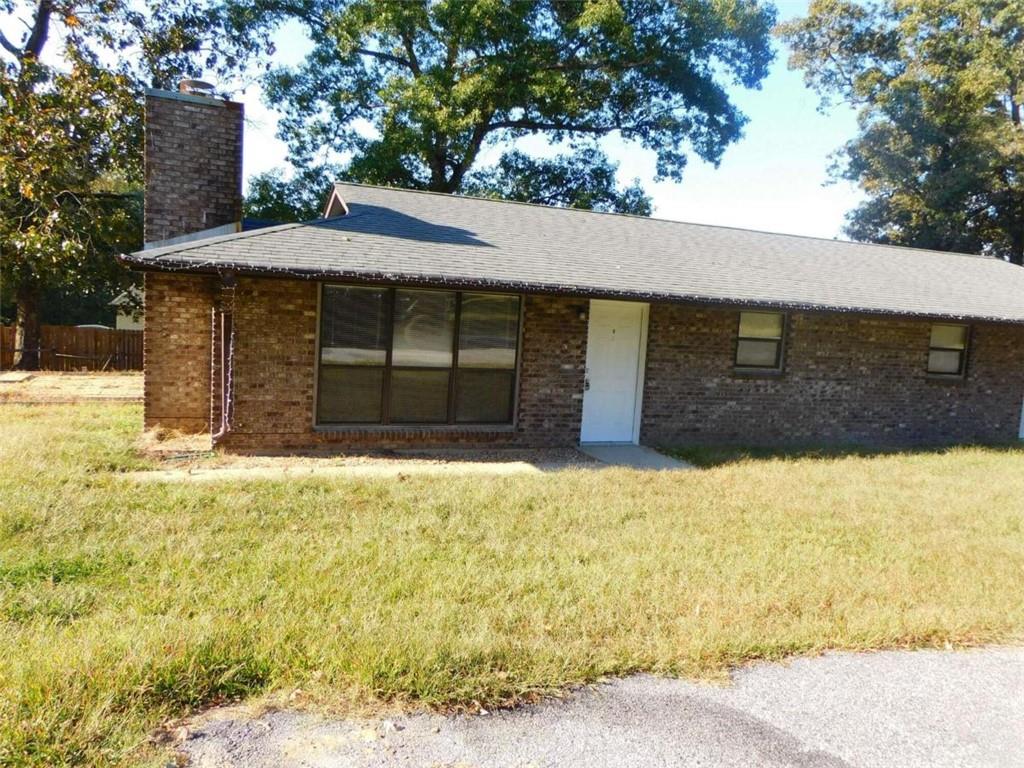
(27, 334)
(1017, 249)
(1017, 233)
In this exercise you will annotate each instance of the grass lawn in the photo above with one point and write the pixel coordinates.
(122, 606)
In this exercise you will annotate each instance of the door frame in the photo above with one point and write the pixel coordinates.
(641, 368)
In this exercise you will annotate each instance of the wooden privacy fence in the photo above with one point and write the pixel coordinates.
(67, 348)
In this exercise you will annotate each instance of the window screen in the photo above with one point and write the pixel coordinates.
(488, 336)
(353, 327)
(759, 343)
(350, 395)
(419, 395)
(424, 328)
(412, 356)
(947, 350)
(353, 354)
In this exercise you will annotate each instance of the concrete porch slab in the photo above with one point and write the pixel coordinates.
(632, 456)
(389, 470)
(14, 377)
(51, 387)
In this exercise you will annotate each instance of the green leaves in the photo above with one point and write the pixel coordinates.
(411, 92)
(277, 199)
(61, 132)
(939, 86)
(71, 131)
(584, 179)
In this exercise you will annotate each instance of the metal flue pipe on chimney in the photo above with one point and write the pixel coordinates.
(196, 87)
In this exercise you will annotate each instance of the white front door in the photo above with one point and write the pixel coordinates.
(614, 381)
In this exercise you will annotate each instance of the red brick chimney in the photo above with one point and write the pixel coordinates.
(193, 161)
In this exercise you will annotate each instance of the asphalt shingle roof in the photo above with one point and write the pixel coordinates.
(392, 235)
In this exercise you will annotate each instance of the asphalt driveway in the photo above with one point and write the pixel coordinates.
(901, 709)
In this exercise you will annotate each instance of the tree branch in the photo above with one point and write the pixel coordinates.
(386, 57)
(40, 30)
(479, 132)
(11, 48)
(534, 125)
(410, 51)
(597, 65)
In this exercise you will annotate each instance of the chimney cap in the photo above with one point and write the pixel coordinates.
(196, 87)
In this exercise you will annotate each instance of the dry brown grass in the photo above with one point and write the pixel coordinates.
(124, 606)
(51, 388)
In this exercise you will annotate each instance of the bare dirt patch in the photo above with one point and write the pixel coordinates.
(174, 448)
(49, 387)
(190, 458)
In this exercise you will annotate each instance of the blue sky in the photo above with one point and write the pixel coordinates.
(773, 179)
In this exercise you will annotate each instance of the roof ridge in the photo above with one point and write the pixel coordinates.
(459, 195)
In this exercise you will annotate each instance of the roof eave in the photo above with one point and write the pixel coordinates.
(138, 262)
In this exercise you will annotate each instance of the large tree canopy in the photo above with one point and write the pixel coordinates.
(939, 86)
(71, 77)
(409, 93)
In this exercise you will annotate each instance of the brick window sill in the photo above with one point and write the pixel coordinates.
(941, 378)
(413, 429)
(757, 373)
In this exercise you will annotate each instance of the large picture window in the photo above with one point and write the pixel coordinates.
(413, 356)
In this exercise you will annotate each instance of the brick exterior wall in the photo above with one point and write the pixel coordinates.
(176, 349)
(846, 380)
(554, 361)
(193, 164)
(274, 363)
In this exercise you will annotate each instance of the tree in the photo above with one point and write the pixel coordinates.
(300, 198)
(70, 136)
(585, 179)
(409, 93)
(939, 86)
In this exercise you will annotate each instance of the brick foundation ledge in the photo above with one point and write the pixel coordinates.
(374, 438)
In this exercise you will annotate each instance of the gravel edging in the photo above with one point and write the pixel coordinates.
(871, 710)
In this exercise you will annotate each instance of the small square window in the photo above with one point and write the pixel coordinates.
(759, 343)
(947, 350)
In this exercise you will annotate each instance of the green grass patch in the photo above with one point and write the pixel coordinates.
(708, 456)
(124, 605)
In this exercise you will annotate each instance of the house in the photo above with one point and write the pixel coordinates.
(408, 318)
(128, 305)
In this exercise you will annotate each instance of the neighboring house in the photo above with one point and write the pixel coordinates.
(128, 305)
(410, 318)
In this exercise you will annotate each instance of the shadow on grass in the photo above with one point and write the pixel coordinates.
(716, 456)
